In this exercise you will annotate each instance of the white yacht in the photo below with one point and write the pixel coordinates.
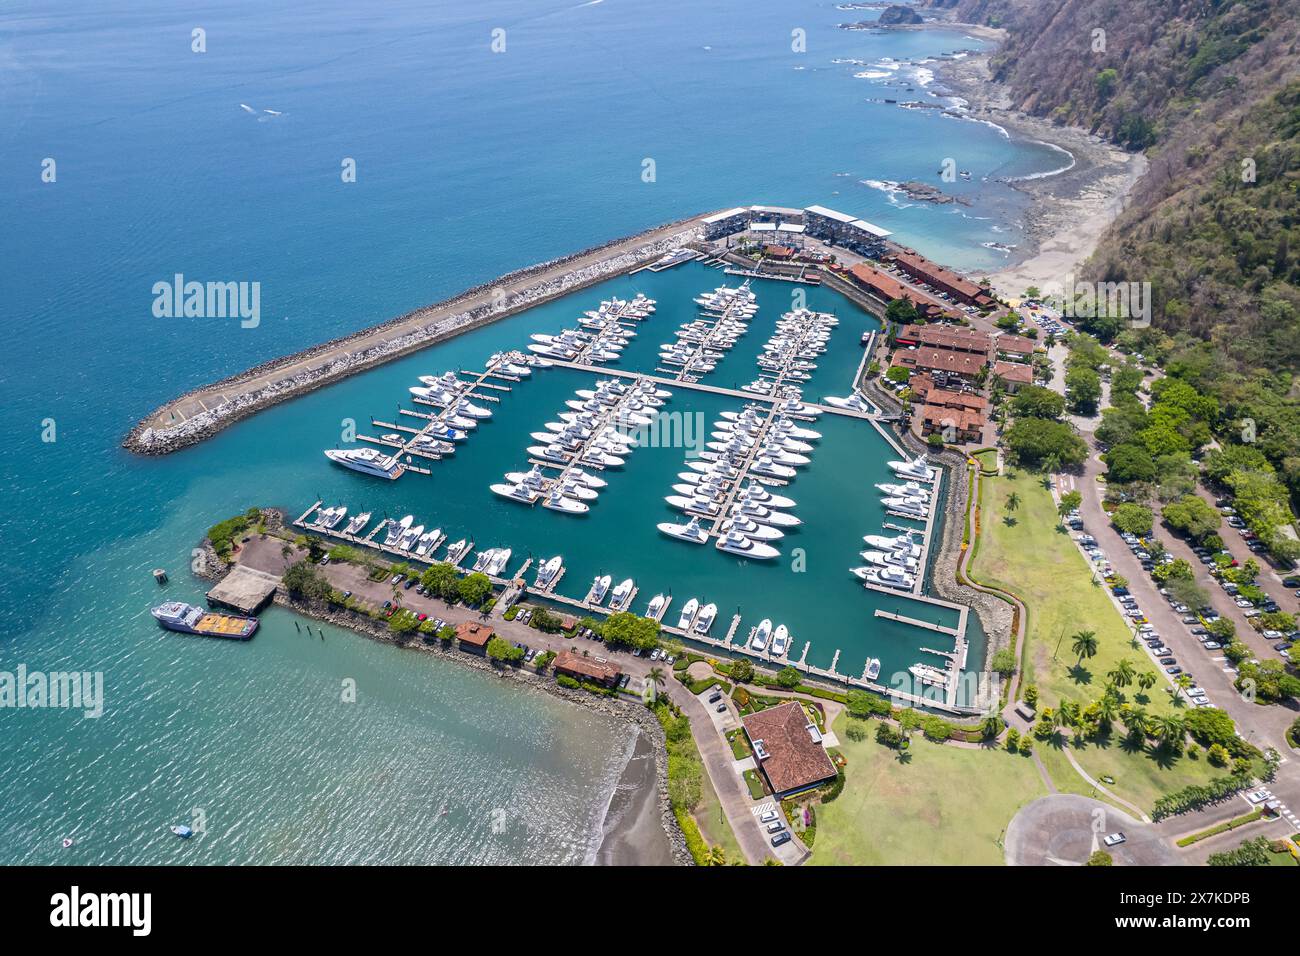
(764, 515)
(484, 559)
(368, 461)
(396, 529)
(498, 562)
(902, 544)
(906, 490)
(912, 507)
(760, 495)
(357, 523)
(618, 600)
(917, 469)
(852, 403)
(425, 542)
(751, 528)
(688, 613)
(886, 577)
(733, 542)
(780, 641)
(556, 501)
(761, 633)
(599, 587)
(705, 619)
(929, 674)
(691, 531)
(886, 559)
(519, 491)
(409, 537)
(656, 606)
(873, 668)
(547, 572)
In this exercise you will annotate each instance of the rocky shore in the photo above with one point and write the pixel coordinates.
(259, 387)
(621, 839)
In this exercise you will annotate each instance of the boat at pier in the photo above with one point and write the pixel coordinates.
(368, 461)
(396, 529)
(761, 633)
(917, 469)
(190, 619)
(705, 619)
(780, 641)
(928, 674)
(688, 613)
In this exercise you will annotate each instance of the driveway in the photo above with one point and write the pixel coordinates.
(1065, 829)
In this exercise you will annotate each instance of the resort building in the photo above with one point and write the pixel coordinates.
(880, 284)
(788, 749)
(944, 280)
(959, 416)
(841, 229)
(574, 665)
(1017, 348)
(1014, 375)
(965, 366)
(473, 636)
(950, 337)
(725, 223)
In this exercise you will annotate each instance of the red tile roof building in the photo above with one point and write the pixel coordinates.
(1014, 374)
(1016, 345)
(473, 636)
(788, 749)
(945, 280)
(879, 284)
(965, 365)
(585, 668)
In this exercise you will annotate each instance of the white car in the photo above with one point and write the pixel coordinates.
(1258, 796)
(1114, 839)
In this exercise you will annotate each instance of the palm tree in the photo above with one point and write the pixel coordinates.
(1085, 644)
(1137, 722)
(655, 677)
(1170, 730)
(1107, 709)
(1146, 680)
(1069, 712)
(717, 855)
(1013, 501)
(1123, 673)
(991, 726)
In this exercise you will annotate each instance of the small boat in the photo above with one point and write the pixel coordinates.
(873, 668)
(780, 641)
(67, 842)
(182, 831)
(688, 613)
(599, 587)
(928, 674)
(498, 562)
(547, 572)
(761, 633)
(357, 523)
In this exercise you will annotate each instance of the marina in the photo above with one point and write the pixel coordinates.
(738, 429)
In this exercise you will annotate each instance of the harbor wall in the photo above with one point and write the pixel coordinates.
(261, 387)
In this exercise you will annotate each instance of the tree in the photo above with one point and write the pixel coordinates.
(789, 678)
(1169, 730)
(631, 630)
(1127, 463)
(1192, 515)
(1013, 501)
(1070, 501)
(1035, 401)
(501, 651)
(655, 677)
(1003, 662)
(742, 670)
(1123, 673)
(1100, 858)
(863, 705)
(900, 311)
(1085, 645)
(1032, 441)
(1251, 853)
(1138, 723)
(1083, 389)
(991, 726)
(304, 580)
(1146, 680)
(440, 580)
(474, 588)
(1133, 518)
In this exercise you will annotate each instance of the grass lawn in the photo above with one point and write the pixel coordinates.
(739, 744)
(713, 822)
(1034, 558)
(1141, 776)
(755, 784)
(946, 805)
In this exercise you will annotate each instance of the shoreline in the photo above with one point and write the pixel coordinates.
(1070, 208)
(634, 828)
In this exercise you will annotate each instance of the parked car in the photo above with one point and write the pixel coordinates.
(767, 816)
(780, 838)
(1114, 839)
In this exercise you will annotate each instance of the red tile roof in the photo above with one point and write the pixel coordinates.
(922, 268)
(1014, 372)
(794, 759)
(928, 357)
(886, 286)
(473, 633)
(952, 337)
(575, 665)
(1016, 344)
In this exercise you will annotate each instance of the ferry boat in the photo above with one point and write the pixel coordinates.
(368, 461)
(189, 619)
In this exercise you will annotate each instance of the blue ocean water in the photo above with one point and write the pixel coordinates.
(469, 163)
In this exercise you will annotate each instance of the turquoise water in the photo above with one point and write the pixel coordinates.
(469, 164)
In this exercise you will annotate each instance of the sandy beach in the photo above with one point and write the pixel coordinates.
(634, 833)
(1068, 211)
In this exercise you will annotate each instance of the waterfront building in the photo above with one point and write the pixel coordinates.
(574, 665)
(726, 223)
(944, 280)
(788, 749)
(841, 229)
(473, 637)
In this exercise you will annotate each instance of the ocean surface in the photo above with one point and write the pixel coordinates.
(224, 165)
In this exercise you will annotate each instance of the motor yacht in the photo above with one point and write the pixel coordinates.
(761, 634)
(688, 614)
(691, 531)
(704, 620)
(780, 641)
